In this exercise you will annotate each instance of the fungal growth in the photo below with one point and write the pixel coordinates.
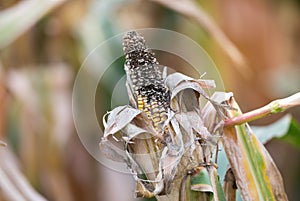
(145, 79)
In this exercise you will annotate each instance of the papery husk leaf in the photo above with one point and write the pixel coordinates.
(132, 131)
(165, 161)
(111, 151)
(192, 121)
(188, 85)
(129, 136)
(185, 102)
(209, 113)
(174, 79)
(119, 118)
(256, 174)
(127, 125)
(169, 159)
(174, 152)
(146, 150)
(119, 122)
(113, 145)
(146, 153)
(193, 131)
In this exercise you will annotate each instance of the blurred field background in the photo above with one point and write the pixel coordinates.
(43, 44)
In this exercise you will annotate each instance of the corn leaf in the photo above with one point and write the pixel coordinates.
(230, 186)
(197, 186)
(293, 134)
(202, 183)
(159, 164)
(286, 129)
(256, 174)
(16, 20)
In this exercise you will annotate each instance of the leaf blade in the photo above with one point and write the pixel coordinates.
(256, 174)
(13, 23)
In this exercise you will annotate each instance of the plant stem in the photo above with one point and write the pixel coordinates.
(273, 107)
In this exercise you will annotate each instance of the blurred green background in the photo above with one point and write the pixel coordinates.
(44, 43)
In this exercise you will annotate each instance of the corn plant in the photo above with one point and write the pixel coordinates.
(170, 140)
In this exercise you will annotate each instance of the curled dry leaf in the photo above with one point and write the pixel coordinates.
(130, 136)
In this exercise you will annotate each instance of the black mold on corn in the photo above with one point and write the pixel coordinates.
(145, 79)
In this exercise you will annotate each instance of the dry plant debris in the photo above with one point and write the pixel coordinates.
(165, 132)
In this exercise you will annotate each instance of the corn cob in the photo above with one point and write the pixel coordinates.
(145, 79)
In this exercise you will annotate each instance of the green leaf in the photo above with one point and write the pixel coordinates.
(256, 174)
(275, 130)
(293, 134)
(200, 181)
(218, 190)
(286, 129)
(16, 20)
(197, 186)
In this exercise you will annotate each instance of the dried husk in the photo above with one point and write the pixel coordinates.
(166, 160)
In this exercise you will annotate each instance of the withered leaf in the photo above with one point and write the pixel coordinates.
(118, 118)
(111, 151)
(175, 78)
